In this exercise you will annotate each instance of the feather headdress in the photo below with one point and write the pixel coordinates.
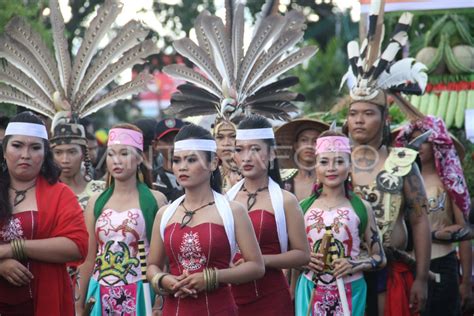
(49, 83)
(373, 72)
(231, 80)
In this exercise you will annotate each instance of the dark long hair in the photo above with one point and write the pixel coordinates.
(142, 168)
(49, 170)
(191, 131)
(258, 121)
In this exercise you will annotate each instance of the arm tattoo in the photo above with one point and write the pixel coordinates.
(415, 195)
(376, 254)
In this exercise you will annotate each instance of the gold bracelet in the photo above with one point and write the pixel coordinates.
(23, 249)
(13, 246)
(216, 279)
(156, 283)
(206, 282)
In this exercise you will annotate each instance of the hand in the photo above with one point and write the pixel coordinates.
(466, 293)
(342, 267)
(315, 263)
(14, 272)
(194, 282)
(418, 295)
(169, 284)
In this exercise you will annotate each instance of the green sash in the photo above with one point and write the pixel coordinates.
(356, 203)
(146, 199)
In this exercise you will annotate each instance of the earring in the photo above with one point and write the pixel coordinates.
(141, 177)
(4, 166)
(43, 169)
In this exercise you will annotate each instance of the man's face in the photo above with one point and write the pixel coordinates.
(165, 145)
(364, 122)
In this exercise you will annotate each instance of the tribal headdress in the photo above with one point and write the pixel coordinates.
(372, 73)
(446, 157)
(50, 84)
(63, 90)
(232, 81)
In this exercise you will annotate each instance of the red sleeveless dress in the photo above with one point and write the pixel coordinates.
(269, 295)
(193, 249)
(16, 300)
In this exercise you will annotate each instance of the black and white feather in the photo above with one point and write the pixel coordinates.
(366, 77)
(231, 79)
(50, 83)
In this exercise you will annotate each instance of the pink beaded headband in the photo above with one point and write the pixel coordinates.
(333, 144)
(125, 136)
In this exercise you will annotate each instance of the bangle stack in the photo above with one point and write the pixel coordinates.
(210, 279)
(156, 283)
(18, 249)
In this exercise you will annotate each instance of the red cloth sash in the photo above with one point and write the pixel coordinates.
(59, 215)
(399, 282)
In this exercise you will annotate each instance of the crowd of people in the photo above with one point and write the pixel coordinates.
(171, 218)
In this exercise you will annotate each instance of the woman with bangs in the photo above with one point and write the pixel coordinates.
(276, 219)
(337, 223)
(117, 220)
(41, 224)
(198, 234)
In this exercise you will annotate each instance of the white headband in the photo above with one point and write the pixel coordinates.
(26, 129)
(195, 144)
(256, 133)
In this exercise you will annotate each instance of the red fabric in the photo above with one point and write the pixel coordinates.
(193, 249)
(59, 215)
(17, 299)
(399, 282)
(260, 296)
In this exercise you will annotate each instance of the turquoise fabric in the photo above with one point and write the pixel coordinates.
(304, 289)
(94, 291)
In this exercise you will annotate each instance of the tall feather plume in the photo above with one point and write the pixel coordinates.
(270, 7)
(229, 15)
(238, 37)
(135, 55)
(130, 35)
(221, 50)
(133, 87)
(19, 56)
(18, 29)
(249, 78)
(288, 63)
(34, 79)
(375, 36)
(184, 73)
(269, 28)
(198, 56)
(99, 26)
(17, 79)
(10, 95)
(201, 33)
(286, 40)
(403, 71)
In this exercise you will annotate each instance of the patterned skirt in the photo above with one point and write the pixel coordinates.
(126, 300)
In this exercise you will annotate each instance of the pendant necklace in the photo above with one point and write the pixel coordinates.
(188, 215)
(252, 197)
(20, 195)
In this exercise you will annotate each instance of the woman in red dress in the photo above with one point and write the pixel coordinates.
(198, 234)
(276, 217)
(41, 225)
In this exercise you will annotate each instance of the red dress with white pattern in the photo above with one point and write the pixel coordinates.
(16, 300)
(193, 249)
(269, 295)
